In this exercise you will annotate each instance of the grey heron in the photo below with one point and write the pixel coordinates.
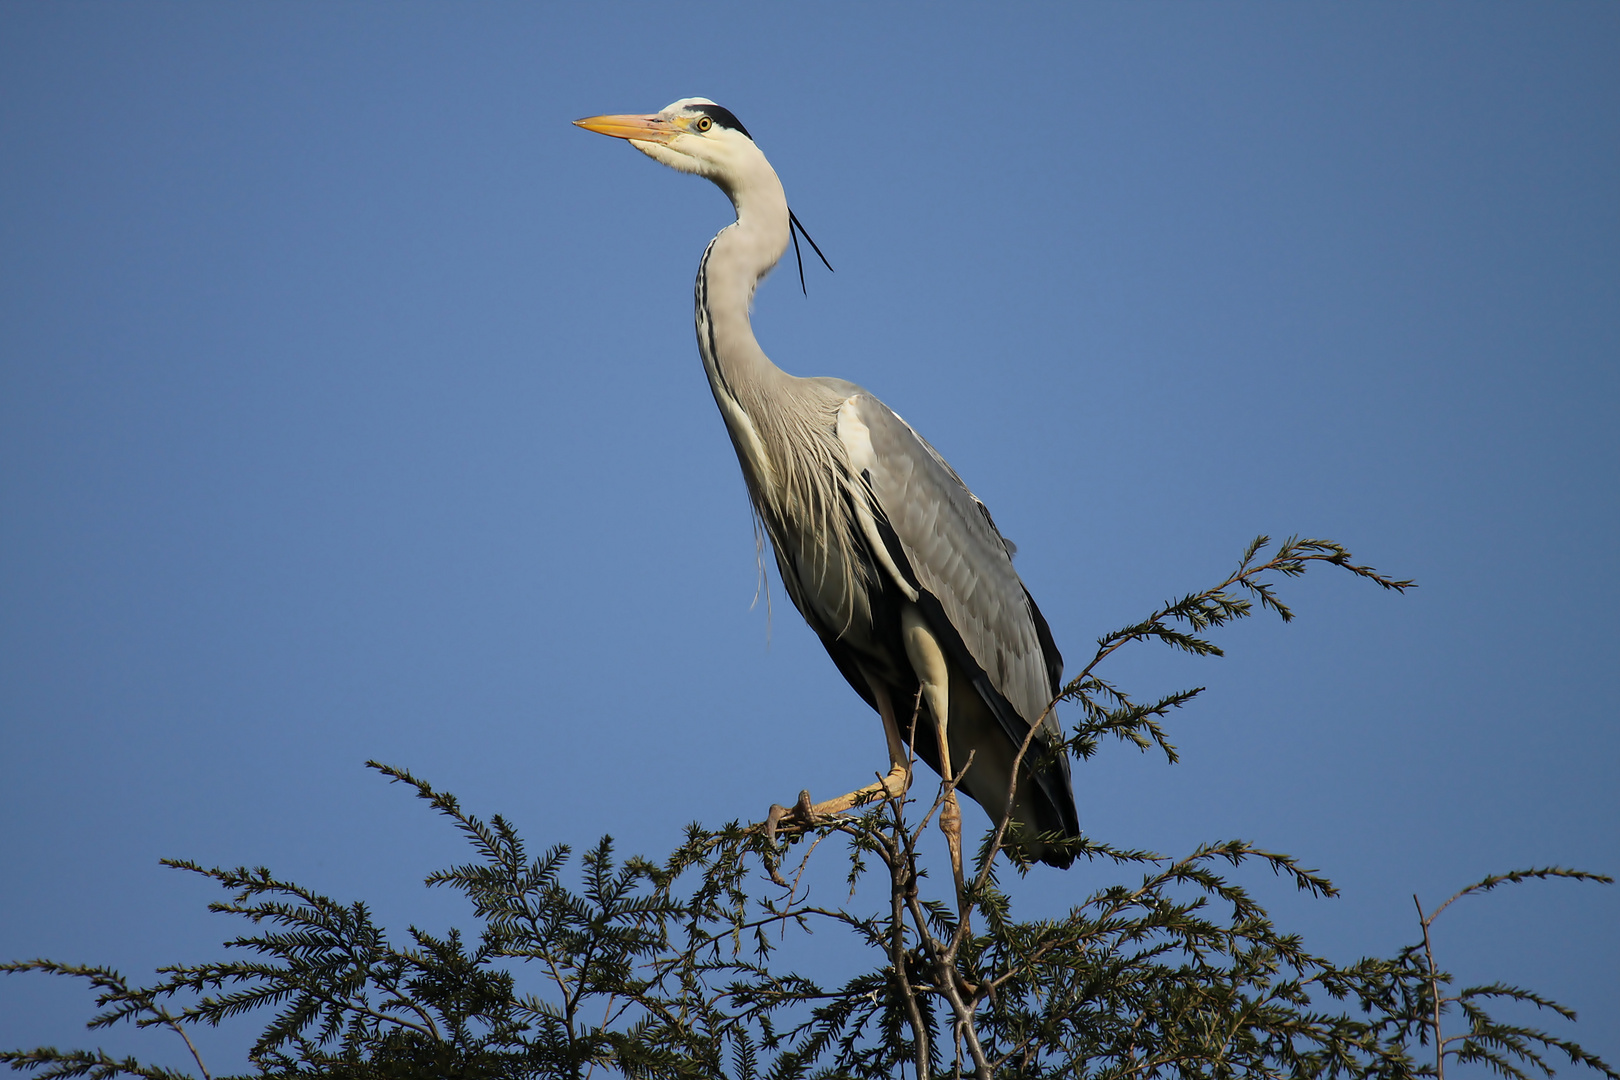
(897, 567)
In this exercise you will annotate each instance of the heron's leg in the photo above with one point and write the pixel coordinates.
(928, 661)
(892, 786)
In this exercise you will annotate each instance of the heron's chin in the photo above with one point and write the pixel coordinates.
(664, 155)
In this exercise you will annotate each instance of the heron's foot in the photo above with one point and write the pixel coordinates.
(805, 814)
(801, 816)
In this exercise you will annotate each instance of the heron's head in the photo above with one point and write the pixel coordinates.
(697, 136)
(693, 135)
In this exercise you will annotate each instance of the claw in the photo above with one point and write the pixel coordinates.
(802, 815)
(773, 818)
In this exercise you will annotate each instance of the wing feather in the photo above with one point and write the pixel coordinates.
(953, 549)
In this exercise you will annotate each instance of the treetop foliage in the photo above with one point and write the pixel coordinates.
(682, 967)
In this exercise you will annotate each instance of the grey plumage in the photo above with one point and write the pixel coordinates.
(974, 600)
(892, 561)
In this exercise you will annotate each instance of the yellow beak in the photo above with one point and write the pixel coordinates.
(650, 128)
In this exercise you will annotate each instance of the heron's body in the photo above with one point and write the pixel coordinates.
(892, 561)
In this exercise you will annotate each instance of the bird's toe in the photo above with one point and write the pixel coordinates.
(773, 819)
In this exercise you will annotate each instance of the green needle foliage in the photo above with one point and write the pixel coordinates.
(679, 968)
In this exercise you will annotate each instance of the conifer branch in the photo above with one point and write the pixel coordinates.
(681, 966)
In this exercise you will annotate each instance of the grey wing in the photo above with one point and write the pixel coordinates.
(956, 556)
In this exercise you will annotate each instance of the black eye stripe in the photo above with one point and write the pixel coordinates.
(721, 116)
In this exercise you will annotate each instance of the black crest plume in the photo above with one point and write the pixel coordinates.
(793, 224)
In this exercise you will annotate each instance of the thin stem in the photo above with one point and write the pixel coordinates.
(392, 986)
(902, 882)
(180, 1031)
(945, 969)
(1434, 987)
(1001, 826)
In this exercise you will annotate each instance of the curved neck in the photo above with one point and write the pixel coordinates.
(735, 262)
(782, 431)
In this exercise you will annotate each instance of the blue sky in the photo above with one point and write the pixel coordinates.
(349, 409)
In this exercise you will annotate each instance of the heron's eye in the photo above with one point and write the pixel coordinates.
(704, 123)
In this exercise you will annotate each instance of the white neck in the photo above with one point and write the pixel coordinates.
(734, 264)
(782, 427)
